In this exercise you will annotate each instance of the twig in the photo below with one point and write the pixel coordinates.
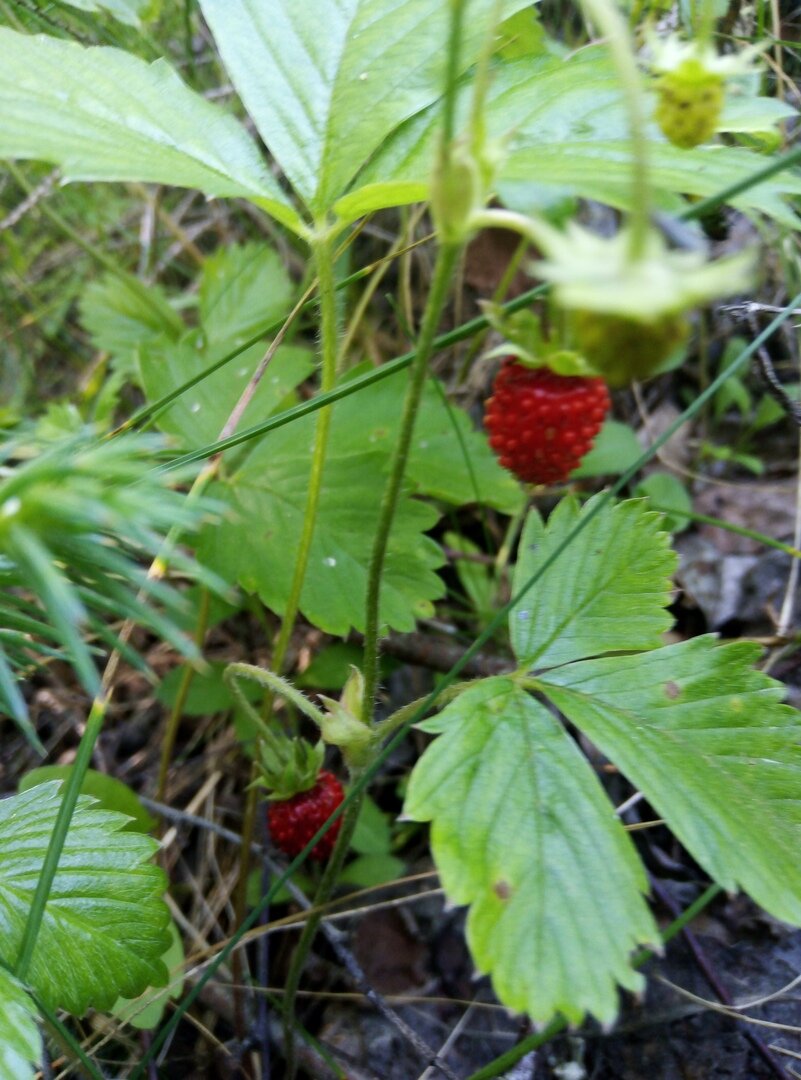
(718, 988)
(450, 1042)
(351, 965)
(41, 191)
(772, 380)
(425, 651)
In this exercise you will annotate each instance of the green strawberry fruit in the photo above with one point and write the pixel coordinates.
(690, 103)
(622, 349)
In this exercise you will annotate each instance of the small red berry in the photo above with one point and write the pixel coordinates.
(542, 424)
(293, 822)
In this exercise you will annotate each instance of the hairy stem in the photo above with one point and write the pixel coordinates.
(446, 261)
(612, 24)
(177, 711)
(276, 685)
(323, 256)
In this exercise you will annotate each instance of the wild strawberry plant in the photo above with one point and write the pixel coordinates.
(327, 506)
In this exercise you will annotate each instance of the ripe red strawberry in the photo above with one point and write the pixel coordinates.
(293, 822)
(542, 424)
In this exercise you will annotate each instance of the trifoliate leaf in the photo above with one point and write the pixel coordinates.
(372, 833)
(448, 458)
(607, 592)
(120, 313)
(258, 546)
(20, 1041)
(198, 415)
(127, 11)
(145, 1012)
(566, 132)
(104, 114)
(705, 737)
(326, 81)
(614, 450)
(522, 831)
(110, 793)
(105, 924)
(476, 578)
(244, 289)
(668, 493)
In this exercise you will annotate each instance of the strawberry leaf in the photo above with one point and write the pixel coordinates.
(103, 114)
(326, 81)
(244, 289)
(197, 416)
(268, 499)
(145, 1012)
(448, 459)
(606, 593)
(121, 313)
(523, 832)
(565, 133)
(257, 546)
(706, 739)
(127, 11)
(105, 924)
(20, 1042)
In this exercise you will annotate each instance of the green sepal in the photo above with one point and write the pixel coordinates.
(342, 724)
(525, 341)
(456, 193)
(288, 766)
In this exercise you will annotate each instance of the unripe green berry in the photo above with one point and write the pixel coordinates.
(690, 103)
(623, 350)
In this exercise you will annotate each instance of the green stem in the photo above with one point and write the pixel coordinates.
(69, 799)
(323, 257)
(177, 711)
(343, 390)
(705, 22)
(446, 260)
(451, 75)
(322, 895)
(737, 530)
(415, 710)
(276, 685)
(69, 1045)
(726, 195)
(498, 620)
(610, 22)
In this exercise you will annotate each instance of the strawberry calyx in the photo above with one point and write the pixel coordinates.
(342, 724)
(287, 766)
(527, 343)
